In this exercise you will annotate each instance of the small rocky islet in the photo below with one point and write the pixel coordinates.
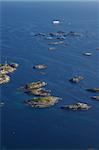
(35, 85)
(56, 43)
(76, 106)
(72, 33)
(42, 102)
(5, 69)
(36, 88)
(39, 92)
(40, 66)
(51, 48)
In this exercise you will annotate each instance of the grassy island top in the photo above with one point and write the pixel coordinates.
(43, 99)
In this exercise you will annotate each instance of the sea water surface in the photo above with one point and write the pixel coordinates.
(23, 127)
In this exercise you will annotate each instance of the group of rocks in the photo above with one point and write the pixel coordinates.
(79, 105)
(36, 88)
(5, 69)
(43, 97)
(58, 38)
(58, 35)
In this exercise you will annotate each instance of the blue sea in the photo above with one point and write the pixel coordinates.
(23, 127)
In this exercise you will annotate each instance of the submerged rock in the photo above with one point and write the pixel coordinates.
(97, 48)
(56, 43)
(93, 90)
(40, 34)
(56, 22)
(61, 38)
(51, 48)
(43, 102)
(76, 79)
(95, 97)
(72, 33)
(42, 73)
(1, 104)
(49, 37)
(87, 54)
(61, 32)
(52, 34)
(77, 106)
(40, 66)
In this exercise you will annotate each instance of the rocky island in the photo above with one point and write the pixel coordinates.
(4, 70)
(77, 106)
(51, 48)
(8, 68)
(1, 104)
(4, 78)
(40, 66)
(39, 92)
(42, 102)
(36, 88)
(76, 79)
(35, 85)
(72, 33)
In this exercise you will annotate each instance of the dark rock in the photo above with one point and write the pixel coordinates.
(93, 90)
(72, 33)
